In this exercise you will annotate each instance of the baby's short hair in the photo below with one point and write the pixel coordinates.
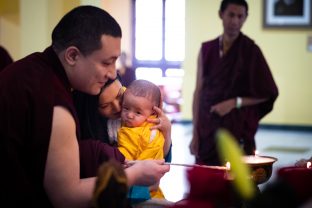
(147, 89)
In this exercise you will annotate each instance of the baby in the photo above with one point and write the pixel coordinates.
(136, 141)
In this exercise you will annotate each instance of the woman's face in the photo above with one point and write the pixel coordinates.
(110, 100)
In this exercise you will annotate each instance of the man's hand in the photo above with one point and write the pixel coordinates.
(223, 107)
(146, 172)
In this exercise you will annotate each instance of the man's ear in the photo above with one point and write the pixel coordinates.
(71, 54)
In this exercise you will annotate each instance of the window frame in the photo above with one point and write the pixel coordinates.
(163, 64)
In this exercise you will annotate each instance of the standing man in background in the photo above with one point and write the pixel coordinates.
(234, 87)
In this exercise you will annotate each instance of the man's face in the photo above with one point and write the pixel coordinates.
(91, 72)
(233, 18)
(110, 100)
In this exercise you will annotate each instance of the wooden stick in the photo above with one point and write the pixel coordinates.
(195, 165)
(132, 162)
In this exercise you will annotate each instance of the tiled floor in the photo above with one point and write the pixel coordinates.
(287, 146)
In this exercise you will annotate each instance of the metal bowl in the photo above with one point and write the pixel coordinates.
(260, 166)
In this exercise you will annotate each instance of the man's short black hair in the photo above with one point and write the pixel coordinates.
(83, 27)
(225, 3)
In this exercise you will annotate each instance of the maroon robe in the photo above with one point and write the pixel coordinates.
(29, 90)
(241, 72)
(93, 153)
(209, 188)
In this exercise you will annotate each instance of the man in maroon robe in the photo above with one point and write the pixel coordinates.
(234, 88)
(39, 128)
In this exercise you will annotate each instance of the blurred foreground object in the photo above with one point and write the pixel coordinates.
(230, 152)
(209, 188)
(292, 188)
(111, 186)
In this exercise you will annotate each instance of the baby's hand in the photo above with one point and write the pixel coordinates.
(161, 122)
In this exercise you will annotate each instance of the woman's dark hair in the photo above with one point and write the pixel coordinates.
(83, 27)
(225, 4)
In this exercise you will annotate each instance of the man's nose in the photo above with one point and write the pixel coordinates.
(236, 20)
(112, 72)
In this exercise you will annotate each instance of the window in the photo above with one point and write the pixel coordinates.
(158, 40)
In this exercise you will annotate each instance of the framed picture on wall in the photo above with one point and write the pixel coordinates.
(287, 13)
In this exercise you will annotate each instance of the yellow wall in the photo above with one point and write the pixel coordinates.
(26, 26)
(121, 11)
(10, 26)
(285, 51)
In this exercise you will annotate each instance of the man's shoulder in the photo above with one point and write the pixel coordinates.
(210, 42)
(30, 72)
(210, 45)
(248, 43)
(247, 40)
(33, 64)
